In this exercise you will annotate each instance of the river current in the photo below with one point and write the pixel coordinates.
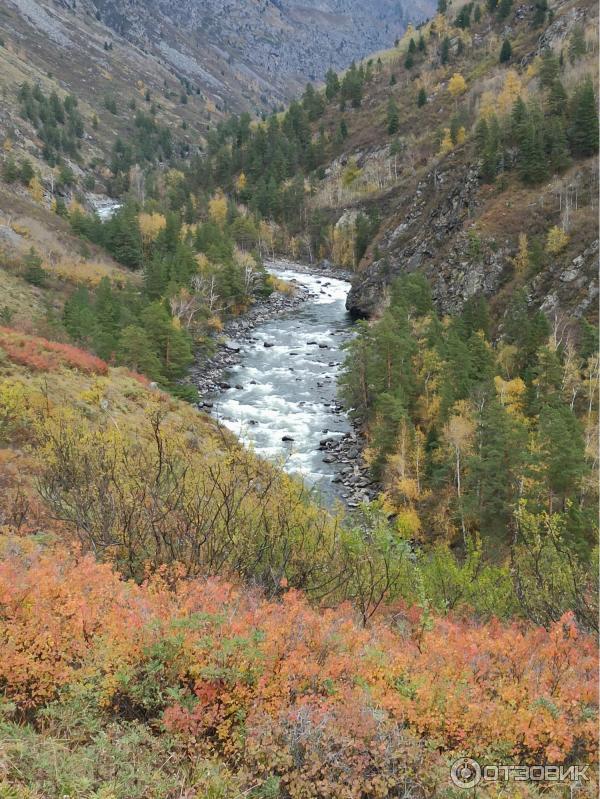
(282, 401)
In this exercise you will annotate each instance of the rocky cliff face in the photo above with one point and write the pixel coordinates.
(433, 234)
(271, 46)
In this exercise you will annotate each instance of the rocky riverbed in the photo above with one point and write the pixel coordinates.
(273, 382)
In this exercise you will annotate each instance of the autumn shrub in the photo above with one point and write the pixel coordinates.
(42, 355)
(302, 699)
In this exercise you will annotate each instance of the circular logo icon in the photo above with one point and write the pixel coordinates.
(465, 773)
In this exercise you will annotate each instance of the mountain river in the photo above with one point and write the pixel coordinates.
(282, 399)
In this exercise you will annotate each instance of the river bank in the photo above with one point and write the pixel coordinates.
(273, 382)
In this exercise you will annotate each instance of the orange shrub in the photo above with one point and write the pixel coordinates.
(47, 356)
(331, 708)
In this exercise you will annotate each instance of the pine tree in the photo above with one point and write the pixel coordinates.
(563, 449)
(556, 144)
(135, 351)
(445, 50)
(421, 97)
(505, 52)
(79, 318)
(577, 44)
(34, 272)
(583, 131)
(494, 472)
(481, 135)
(532, 163)
(557, 99)
(172, 344)
(107, 315)
(549, 69)
(332, 84)
(393, 117)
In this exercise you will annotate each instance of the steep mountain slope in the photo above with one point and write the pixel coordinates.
(277, 46)
(420, 171)
(439, 156)
(238, 55)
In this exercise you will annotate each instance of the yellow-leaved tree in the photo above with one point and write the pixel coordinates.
(557, 240)
(447, 144)
(512, 89)
(36, 189)
(241, 182)
(150, 227)
(457, 85)
(217, 209)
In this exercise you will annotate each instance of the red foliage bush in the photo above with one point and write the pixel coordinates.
(291, 690)
(47, 356)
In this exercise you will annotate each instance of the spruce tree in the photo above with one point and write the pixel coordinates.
(505, 52)
(445, 50)
(79, 318)
(549, 69)
(583, 131)
(494, 471)
(135, 351)
(332, 84)
(107, 314)
(34, 272)
(393, 117)
(563, 449)
(532, 165)
(556, 144)
(557, 99)
(421, 98)
(577, 44)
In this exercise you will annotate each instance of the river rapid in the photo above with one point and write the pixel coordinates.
(282, 399)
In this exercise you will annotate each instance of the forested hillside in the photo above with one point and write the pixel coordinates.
(180, 618)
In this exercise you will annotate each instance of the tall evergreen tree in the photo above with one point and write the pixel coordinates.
(393, 117)
(583, 131)
(505, 52)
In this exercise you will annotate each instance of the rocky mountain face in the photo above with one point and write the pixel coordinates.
(270, 47)
(235, 54)
(435, 211)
